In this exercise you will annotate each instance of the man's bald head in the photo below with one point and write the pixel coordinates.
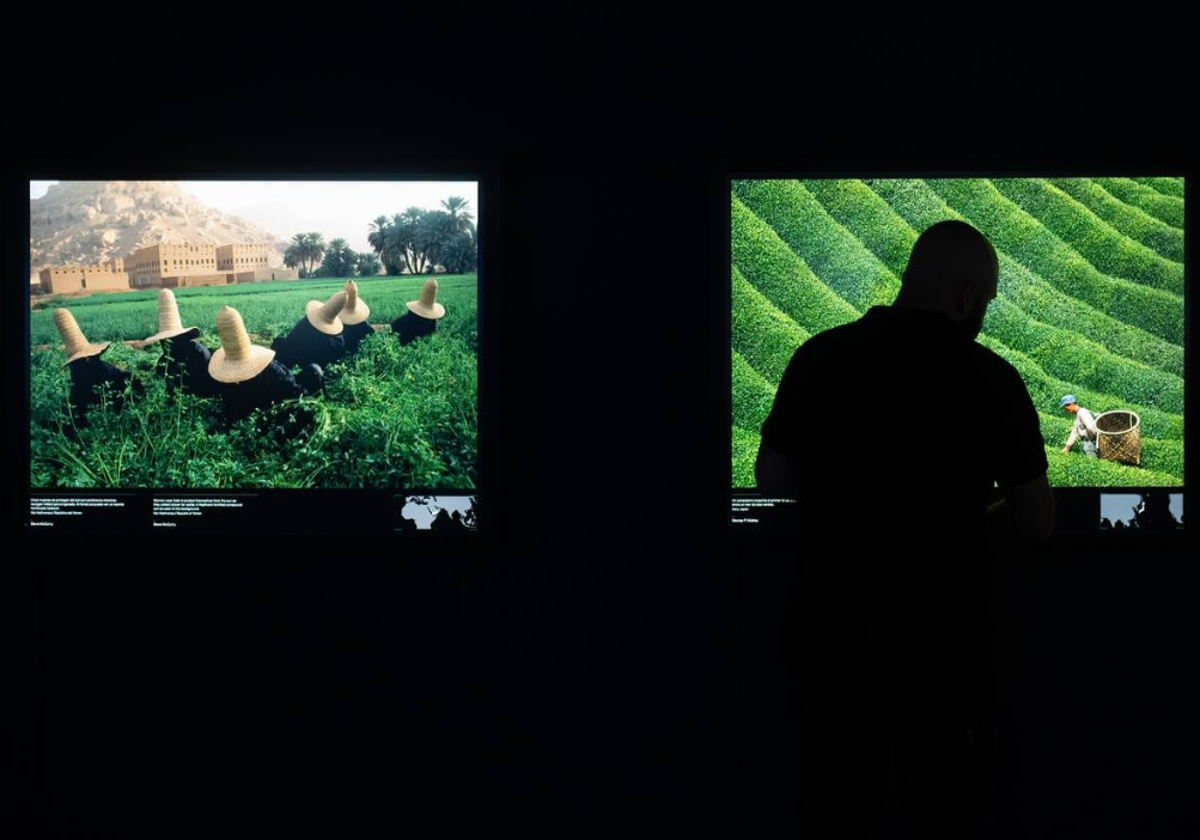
(953, 269)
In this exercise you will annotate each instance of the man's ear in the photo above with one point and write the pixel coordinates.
(964, 301)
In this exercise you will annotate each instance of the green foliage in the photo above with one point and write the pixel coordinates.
(832, 252)
(752, 395)
(267, 309)
(1028, 241)
(1166, 186)
(1110, 251)
(1075, 470)
(1160, 456)
(368, 264)
(462, 220)
(460, 253)
(1072, 357)
(890, 231)
(782, 277)
(1133, 221)
(764, 336)
(1046, 391)
(391, 416)
(305, 251)
(870, 219)
(1165, 208)
(340, 260)
(745, 452)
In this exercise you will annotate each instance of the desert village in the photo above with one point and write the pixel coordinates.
(167, 266)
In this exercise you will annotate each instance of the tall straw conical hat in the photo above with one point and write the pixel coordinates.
(169, 324)
(237, 360)
(77, 346)
(324, 316)
(355, 311)
(427, 306)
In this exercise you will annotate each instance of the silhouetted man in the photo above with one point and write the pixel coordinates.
(891, 433)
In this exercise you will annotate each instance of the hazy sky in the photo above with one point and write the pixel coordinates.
(333, 208)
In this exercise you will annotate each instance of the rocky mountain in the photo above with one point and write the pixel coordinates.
(89, 222)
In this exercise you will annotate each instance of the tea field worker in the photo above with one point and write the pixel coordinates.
(317, 337)
(1084, 428)
(89, 373)
(354, 316)
(248, 377)
(422, 316)
(184, 360)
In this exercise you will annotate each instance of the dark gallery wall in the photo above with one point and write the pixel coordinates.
(603, 661)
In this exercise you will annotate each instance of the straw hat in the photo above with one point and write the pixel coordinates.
(78, 347)
(355, 311)
(324, 316)
(427, 306)
(169, 324)
(237, 360)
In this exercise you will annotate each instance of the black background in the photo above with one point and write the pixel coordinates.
(602, 661)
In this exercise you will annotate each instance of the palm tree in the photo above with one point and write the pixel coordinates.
(339, 259)
(292, 256)
(368, 264)
(434, 231)
(457, 207)
(395, 249)
(314, 249)
(383, 243)
(298, 243)
(377, 238)
(299, 251)
(411, 221)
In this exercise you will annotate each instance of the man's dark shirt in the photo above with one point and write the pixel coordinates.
(305, 344)
(355, 333)
(898, 425)
(275, 383)
(184, 361)
(411, 326)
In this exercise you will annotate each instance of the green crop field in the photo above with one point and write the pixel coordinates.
(391, 416)
(1090, 299)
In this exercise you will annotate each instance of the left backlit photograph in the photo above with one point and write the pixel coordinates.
(253, 334)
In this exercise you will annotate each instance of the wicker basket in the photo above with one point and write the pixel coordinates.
(1120, 437)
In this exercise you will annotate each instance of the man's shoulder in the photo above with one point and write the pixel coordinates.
(993, 364)
(833, 339)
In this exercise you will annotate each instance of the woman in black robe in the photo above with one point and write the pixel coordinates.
(316, 338)
(247, 377)
(354, 316)
(184, 360)
(92, 379)
(422, 316)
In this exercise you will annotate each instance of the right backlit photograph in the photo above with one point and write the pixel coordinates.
(1089, 307)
